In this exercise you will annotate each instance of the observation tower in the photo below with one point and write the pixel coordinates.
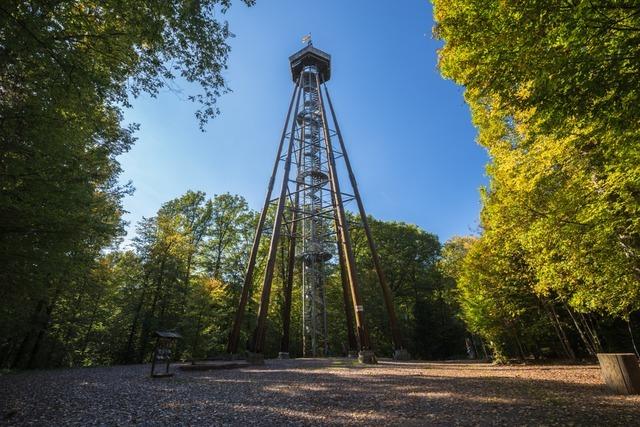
(310, 226)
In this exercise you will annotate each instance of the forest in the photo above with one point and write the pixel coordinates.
(552, 272)
(552, 88)
(184, 272)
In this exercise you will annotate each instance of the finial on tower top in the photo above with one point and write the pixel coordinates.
(307, 39)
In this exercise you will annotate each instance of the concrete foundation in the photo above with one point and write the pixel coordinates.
(283, 355)
(255, 358)
(367, 357)
(401, 354)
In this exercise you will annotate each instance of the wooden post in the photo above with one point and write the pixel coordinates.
(620, 372)
(352, 340)
(291, 263)
(257, 343)
(366, 355)
(154, 357)
(234, 336)
(400, 351)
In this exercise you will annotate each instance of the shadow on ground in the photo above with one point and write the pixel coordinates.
(318, 391)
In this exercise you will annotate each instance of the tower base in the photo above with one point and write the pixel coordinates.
(283, 355)
(367, 357)
(401, 354)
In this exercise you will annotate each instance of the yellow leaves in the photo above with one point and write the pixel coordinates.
(207, 290)
(453, 255)
(527, 114)
(555, 107)
(214, 288)
(446, 9)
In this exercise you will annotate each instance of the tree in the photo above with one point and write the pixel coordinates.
(66, 71)
(552, 102)
(409, 257)
(222, 260)
(550, 86)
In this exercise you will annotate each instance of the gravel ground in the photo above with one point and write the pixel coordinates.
(318, 392)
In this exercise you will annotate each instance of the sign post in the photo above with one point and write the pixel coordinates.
(163, 352)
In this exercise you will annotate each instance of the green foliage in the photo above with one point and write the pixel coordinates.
(409, 257)
(552, 88)
(189, 254)
(66, 71)
(166, 283)
(185, 271)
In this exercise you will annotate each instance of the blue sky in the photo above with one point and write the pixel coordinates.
(408, 131)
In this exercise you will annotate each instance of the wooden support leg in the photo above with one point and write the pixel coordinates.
(257, 343)
(400, 352)
(288, 289)
(234, 337)
(366, 355)
(348, 306)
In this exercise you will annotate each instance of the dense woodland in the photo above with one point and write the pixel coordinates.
(553, 92)
(184, 272)
(553, 272)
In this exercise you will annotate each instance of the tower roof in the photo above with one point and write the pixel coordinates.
(311, 56)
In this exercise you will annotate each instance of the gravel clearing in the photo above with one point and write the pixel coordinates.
(318, 392)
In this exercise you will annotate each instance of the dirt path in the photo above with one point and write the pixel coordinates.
(320, 392)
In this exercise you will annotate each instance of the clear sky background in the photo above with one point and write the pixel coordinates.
(408, 131)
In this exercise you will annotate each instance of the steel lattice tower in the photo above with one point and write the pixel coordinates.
(312, 182)
(309, 213)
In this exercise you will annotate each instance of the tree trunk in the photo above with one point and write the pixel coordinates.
(521, 352)
(127, 356)
(216, 275)
(589, 347)
(26, 340)
(144, 335)
(555, 321)
(633, 341)
(484, 349)
(591, 329)
(87, 333)
(44, 328)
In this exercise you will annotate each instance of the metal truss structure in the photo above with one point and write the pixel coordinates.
(309, 210)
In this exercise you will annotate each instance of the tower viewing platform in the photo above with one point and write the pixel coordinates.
(310, 56)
